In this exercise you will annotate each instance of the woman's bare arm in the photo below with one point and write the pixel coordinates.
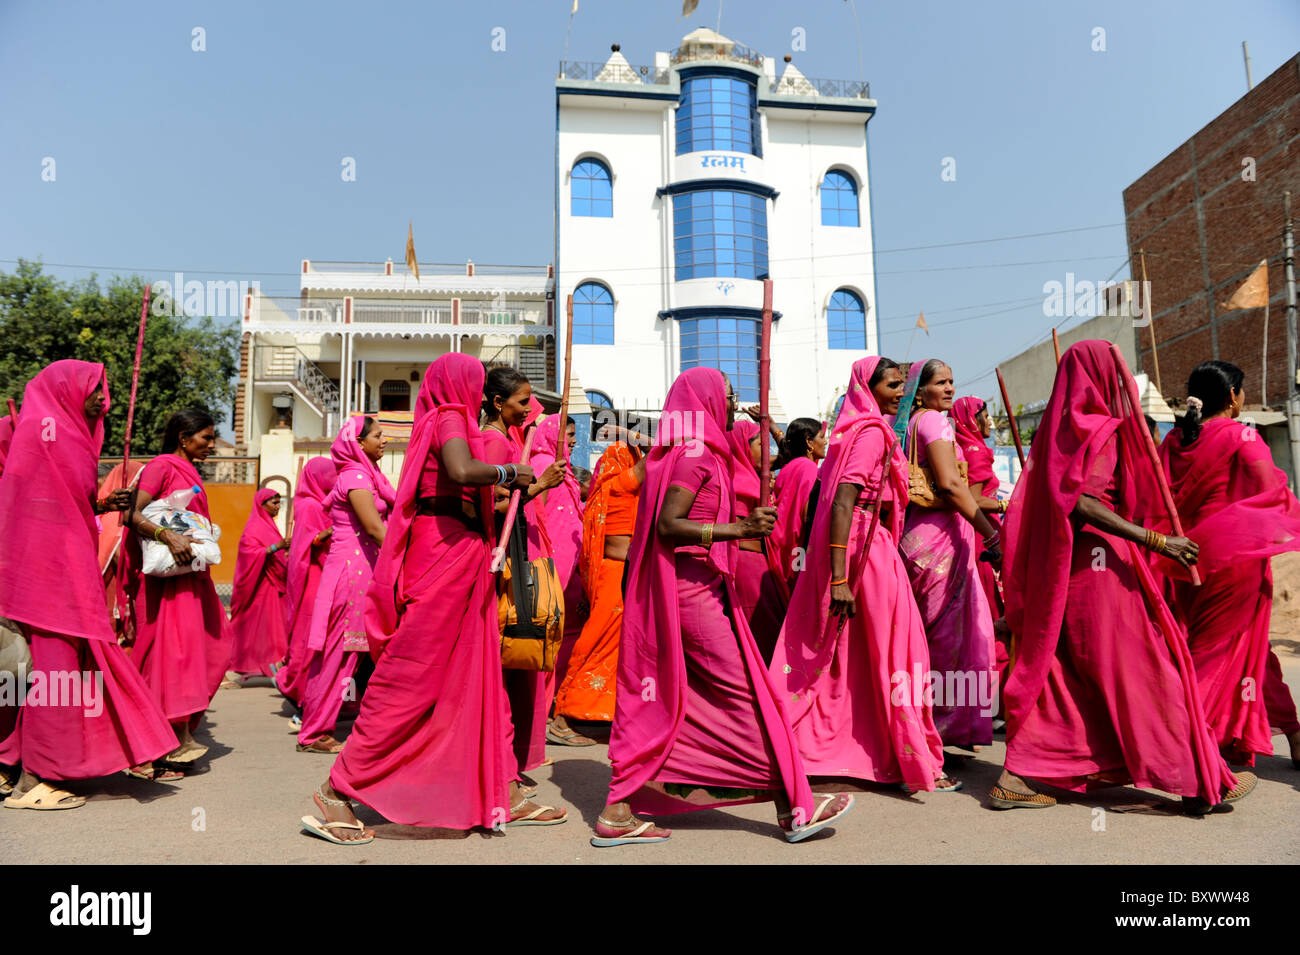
(1094, 512)
(676, 529)
(363, 505)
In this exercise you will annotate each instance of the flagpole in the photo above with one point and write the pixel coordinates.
(907, 355)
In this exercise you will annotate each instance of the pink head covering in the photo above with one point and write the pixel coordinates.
(912, 383)
(453, 385)
(693, 423)
(545, 450)
(6, 436)
(745, 477)
(348, 456)
(260, 533)
(309, 519)
(47, 520)
(979, 459)
(546, 447)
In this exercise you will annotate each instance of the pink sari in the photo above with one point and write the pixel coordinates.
(941, 552)
(529, 692)
(1104, 687)
(852, 703)
(257, 601)
(182, 636)
(306, 563)
(337, 636)
(430, 747)
(6, 438)
(794, 483)
(762, 595)
(106, 720)
(695, 706)
(979, 464)
(561, 514)
(1236, 505)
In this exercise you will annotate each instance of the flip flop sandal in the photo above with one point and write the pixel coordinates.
(314, 747)
(818, 822)
(532, 820)
(574, 738)
(46, 797)
(186, 753)
(322, 829)
(627, 837)
(7, 784)
(158, 774)
(295, 722)
(954, 785)
(1009, 799)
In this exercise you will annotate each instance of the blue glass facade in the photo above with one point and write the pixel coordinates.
(719, 232)
(591, 189)
(727, 344)
(718, 112)
(846, 321)
(593, 315)
(839, 199)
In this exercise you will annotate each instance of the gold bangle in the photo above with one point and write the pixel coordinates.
(844, 546)
(706, 536)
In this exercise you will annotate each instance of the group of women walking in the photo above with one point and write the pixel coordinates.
(887, 604)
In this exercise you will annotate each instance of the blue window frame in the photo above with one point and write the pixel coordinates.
(718, 112)
(591, 189)
(593, 315)
(839, 199)
(846, 321)
(727, 344)
(719, 233)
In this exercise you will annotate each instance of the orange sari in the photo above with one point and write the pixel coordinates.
(587, 692)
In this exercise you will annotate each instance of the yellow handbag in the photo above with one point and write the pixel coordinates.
(921, 487)
(530, 606)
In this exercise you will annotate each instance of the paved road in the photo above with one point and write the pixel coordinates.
(246, 805)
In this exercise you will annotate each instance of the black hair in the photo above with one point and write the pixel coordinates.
(1213, 382)
(928, 371)
(502, 382)
(796, 440)
(882, 366)
(182, 423)
(367, 426)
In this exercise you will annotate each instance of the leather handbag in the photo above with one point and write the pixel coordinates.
(921, 487)
(530, 605)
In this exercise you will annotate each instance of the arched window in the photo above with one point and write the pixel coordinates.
(598, 399)
(591, 189)
(593, 315)
(839, 199)
(846, 321)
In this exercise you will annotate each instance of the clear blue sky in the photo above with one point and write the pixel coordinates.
(227, 161)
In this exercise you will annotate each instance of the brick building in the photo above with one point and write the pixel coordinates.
(1205, 215)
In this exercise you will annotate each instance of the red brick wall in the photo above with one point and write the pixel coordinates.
(1204, 230)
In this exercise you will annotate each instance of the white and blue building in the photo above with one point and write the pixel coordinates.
(679, 187)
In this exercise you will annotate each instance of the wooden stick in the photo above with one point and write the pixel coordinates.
(135, 381)
(562, 430)
(1011, 417)
(1056, 346)
(1152, 456)
(293, 492)
(13, 411)
(764, 382)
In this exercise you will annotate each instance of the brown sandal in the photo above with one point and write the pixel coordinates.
(1010, 799)
(326, 744)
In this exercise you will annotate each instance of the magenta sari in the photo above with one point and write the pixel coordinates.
(695, 706)
(1103, 689)
(852, 703)
(431, 746)
(794, 483)
(109, 721)
(182, 636)
(762, 595)
(257, 601)
(941, 552)
(1236, 505)
(306, 563)
(337, 636)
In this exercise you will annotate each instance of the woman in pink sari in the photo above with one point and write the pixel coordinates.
(6, 439)
(510, 408)
(361, 498)
(697, 721)
(802, 450)
(108, 721)
(307, 554)
(559, 510)
(1234, 502)
(941, 550)
(761, 593)
(181, 635)
(110, 542)
(257, 601)
(856, 692)
(1103, 692)
(432, 744)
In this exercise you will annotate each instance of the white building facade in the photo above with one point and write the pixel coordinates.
(679, 187)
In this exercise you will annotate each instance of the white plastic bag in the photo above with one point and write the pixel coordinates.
(158, 559)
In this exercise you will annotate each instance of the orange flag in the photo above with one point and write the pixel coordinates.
(1253, 292)
(411, 262)
(920, 323)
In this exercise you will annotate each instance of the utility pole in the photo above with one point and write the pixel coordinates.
(1293, 402)
(1250, 84)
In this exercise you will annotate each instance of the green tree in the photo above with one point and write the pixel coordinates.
(187, 362)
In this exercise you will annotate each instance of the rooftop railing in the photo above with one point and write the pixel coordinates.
(843, 89)
(612, 72)
(426, 268)
(709, 52)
